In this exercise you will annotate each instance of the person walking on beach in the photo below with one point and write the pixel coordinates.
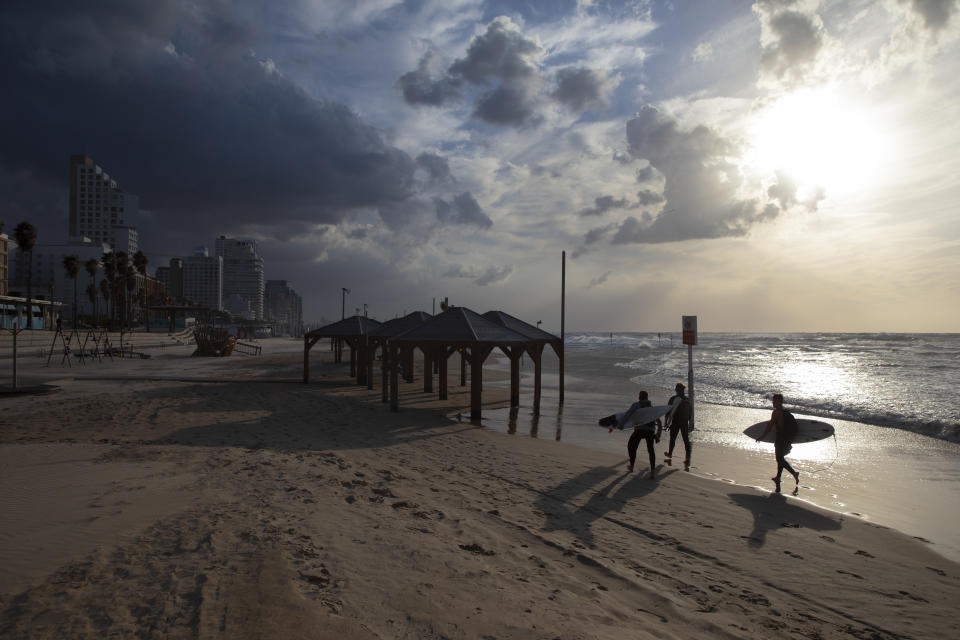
(641, 432)
(678, 419)
(785, 427)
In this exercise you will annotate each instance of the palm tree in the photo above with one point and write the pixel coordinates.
(123, 261)
(131, 282)
(140, 262)
(92, 294)
(71, 264)
(106, 286)
(105, 292)
(91, 267)
(26, 236)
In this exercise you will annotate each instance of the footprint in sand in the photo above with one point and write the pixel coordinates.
(848, 573)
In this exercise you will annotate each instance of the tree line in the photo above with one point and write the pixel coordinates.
(116, 288)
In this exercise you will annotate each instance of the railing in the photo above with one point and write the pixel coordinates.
(247, 349)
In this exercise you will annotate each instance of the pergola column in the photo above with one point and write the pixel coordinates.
(386, 361)
(477, 356)
(427, 370)
(394, 381)
(442, 377)
(536, 354)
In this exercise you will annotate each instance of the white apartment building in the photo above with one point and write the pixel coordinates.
(203, 280)
(99, 209)
(242, 275)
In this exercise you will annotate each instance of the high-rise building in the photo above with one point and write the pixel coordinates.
(171, 278)
(242, 273)
(99, 209)
(4, 269)
(203, 280)
(284, 309)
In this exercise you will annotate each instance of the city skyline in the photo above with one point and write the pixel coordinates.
(766, 166)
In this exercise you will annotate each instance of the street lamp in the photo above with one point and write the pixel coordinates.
(343, 302)
(364, 309)
(539, 322)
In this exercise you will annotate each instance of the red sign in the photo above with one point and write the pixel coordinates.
(689, 329)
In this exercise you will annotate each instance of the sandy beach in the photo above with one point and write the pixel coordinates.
(174, 497)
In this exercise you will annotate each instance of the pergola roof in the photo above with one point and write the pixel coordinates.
(461, 325)
(394, 327)
(347, 328)
(531, 332)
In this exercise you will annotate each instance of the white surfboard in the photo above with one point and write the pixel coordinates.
(643, 415)
(807, 431)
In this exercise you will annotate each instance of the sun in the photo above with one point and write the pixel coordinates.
(822, 139)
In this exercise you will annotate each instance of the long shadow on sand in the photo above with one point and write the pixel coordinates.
(775, 511)
(611, 498)
(271, 415)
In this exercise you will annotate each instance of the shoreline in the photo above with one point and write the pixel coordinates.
(256, 506)
(835, 472)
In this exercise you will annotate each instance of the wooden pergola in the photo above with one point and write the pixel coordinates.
(355, 331)
(457, 329)
(381, 337)
(537, 340)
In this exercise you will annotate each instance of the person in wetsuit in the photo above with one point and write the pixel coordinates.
(785, 427)
(678, 420)
(646, 432)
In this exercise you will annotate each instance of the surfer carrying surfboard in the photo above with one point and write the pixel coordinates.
(678, 419)
(785, 427)
(645, 431)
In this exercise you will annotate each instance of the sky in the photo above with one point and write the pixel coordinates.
(767, 166)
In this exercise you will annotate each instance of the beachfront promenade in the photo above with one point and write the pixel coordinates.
(223, 498)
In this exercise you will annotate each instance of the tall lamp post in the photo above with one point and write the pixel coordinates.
(343, 314)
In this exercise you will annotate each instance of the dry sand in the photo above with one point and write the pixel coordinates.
(221, 498)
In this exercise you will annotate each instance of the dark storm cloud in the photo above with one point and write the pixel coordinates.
(498, 58)
(604, 204)
(647, 174)
(463, 209)
(795, 41)
(578, 88)
(437, 167)
(499, 54)
(169, 99)
(646, 197)
(592, 237)
(599, 280)
(935, 13)
(504, 105)
(701, 183)
(419, 87)
(488, 276)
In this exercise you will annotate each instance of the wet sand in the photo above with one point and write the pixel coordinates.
(177, 497)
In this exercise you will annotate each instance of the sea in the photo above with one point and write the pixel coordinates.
(896, 380)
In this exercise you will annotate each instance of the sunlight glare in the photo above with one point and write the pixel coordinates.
(819, 138)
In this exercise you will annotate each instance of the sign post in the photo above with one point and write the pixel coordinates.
(690, 339)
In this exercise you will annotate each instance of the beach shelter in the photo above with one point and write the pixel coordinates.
(456, 329)
(355, 331)
(381, 336)
(537, 340)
